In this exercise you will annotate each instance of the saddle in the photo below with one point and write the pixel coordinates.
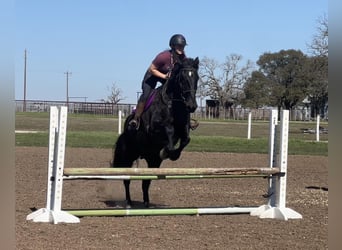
(193, 122)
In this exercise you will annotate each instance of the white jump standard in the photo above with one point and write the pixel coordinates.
(53, 213)
(57, 136)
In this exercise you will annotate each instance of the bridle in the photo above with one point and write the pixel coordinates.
(186, 79)
(191, 72)
(180, 79)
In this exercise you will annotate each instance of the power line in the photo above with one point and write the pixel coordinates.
(25, 59)
(67, 86)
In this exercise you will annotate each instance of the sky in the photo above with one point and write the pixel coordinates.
(113, 42)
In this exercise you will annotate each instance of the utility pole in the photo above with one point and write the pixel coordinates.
(138, 95)
(25, 58)
(67, 87)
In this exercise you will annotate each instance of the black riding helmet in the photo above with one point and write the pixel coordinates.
(177, 39)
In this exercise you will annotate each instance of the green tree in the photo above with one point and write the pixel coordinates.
(286, 72)
(318, 84)
(257, 91)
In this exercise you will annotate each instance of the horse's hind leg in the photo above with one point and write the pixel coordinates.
(124, 157)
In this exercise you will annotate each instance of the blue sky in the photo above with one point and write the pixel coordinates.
(105, 42)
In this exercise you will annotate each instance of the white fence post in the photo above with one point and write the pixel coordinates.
(120, 121)
(317, 127)
(249, 125)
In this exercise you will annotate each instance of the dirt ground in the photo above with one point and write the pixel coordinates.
(307, 193)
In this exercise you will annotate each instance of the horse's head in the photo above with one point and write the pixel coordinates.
(183, 83)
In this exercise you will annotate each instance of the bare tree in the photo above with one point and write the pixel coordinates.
(224, 82)
(319, 43)
(115, 95)
(210, 83)
(235, 76)
(318, 70)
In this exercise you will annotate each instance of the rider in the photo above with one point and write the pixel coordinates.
(159, 71)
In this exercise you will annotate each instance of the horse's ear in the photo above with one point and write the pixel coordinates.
(196, 62)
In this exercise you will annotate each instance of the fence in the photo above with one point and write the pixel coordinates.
(110, 109)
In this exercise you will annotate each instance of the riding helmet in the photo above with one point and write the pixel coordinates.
(177, 39)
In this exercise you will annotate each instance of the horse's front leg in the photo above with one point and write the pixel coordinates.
(128, 194)
(175, 154)
(184, 141)
(170, 131)
(145, 187)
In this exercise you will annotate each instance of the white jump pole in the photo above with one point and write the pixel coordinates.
(272, 140)
(249, 125)
(272, 154)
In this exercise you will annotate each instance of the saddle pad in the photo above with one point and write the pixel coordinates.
(149, 100)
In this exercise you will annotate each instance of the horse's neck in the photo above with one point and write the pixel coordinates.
(165, 98)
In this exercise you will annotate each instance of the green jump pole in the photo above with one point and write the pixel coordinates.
(156, 177)
(170, 171)
(159, 211)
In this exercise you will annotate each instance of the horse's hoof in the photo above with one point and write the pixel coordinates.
(174, 156)
(128, 204)
(146, 204)
(193, 124)
(163, 154)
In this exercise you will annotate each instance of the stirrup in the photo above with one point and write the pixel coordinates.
(193, 124)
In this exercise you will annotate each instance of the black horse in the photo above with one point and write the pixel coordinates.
(163, 125)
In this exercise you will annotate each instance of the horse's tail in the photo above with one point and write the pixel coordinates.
(125, 151)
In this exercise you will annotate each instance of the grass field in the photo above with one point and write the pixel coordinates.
(210, 136)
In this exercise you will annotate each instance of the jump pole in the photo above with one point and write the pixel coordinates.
(53, 213)
(160, 211)
(156, 177)
(170, 171)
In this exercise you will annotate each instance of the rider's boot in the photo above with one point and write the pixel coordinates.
(135, 122)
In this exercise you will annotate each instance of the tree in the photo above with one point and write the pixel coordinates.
(224, 82)
(319, 43)
(318, 69)
(257, 91)
(317, 91)
(286, 72)
(115, 95)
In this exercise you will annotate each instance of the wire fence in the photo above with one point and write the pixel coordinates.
(111, 109)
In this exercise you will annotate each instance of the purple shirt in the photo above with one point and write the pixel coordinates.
(164, 62)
